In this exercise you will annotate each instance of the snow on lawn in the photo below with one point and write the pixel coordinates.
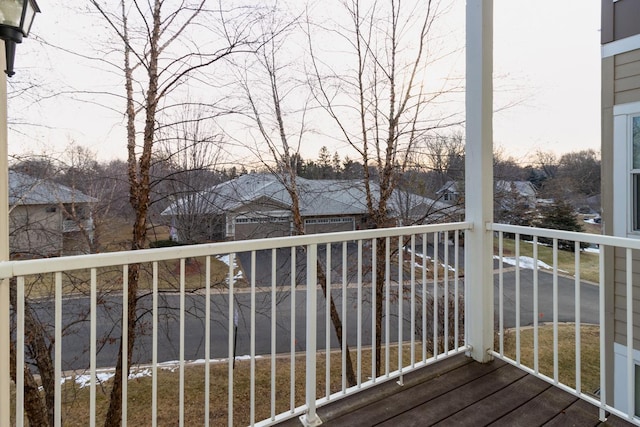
(225, 259)
(590, 249)
(419, 264)
(85, 380)
(172, 365)
(525, 262)
(101, 377)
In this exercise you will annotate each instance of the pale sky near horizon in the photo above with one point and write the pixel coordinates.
(546, 62)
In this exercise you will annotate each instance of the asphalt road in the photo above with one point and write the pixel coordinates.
(76, 335)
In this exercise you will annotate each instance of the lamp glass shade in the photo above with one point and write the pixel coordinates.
(29, 13)
(11, 13)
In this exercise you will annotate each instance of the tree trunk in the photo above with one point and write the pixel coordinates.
(114, 413)
(380, 284)
(337, 326)
(139, 195)
(335, 316)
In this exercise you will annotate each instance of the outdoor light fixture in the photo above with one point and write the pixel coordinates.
(16, 17)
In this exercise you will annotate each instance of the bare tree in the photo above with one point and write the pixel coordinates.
(547, 161)
(282, 127)
(185, 166)
(159, 53)
(378, 101)
(444, 155)
(581, 171)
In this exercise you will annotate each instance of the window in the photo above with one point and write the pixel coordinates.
(259, 220)
(328, 220)
(51, 209)
(625, 221)
(637, 388)
(635, 172)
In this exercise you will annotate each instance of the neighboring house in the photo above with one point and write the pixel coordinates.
(451, 192)
(47, 219)
(621, 183)
(522, 191)
(258, 206)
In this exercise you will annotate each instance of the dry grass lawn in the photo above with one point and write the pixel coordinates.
(590, 357)
(76, 400)
(589, 262)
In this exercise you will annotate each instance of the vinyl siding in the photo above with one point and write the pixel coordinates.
(626, 88)
(34, 232)
(626, 84)
(620, 297)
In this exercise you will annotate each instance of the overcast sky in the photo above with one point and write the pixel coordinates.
(547, 63)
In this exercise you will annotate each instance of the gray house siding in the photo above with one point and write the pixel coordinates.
(35, 230)
(620, 85)
(620, 298)
(623, 75)
(627, 76)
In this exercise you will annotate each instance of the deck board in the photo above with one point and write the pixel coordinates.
(459, 391)
(407, 398)
(456, 399)
(538, 410)
(580, 413)
(499, 404)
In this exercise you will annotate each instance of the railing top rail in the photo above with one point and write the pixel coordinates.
(597, 239)
(25, 267)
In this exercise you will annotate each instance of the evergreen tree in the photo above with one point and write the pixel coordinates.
(559, 215)
(337, 165)
(324, 163)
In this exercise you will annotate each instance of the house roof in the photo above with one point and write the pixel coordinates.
(317, 197)
(524, 188)
(449, 186)
(27, 190)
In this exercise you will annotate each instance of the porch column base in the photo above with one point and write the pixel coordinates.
(304, 419)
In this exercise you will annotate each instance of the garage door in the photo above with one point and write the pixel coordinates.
(260, 228)
(329, 225)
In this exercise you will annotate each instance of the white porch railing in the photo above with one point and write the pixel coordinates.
(193, 298)
(614, 303)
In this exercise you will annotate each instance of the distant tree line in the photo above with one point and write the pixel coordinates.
(571, 180)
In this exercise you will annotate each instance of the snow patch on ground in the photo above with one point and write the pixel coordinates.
(84, 380)
(429, 259)
(525, 262)
(225, 259)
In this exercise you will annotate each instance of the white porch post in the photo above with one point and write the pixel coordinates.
(311, 418)
(5, 378)
(479, 177)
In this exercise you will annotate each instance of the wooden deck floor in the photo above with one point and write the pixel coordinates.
(461, 392)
